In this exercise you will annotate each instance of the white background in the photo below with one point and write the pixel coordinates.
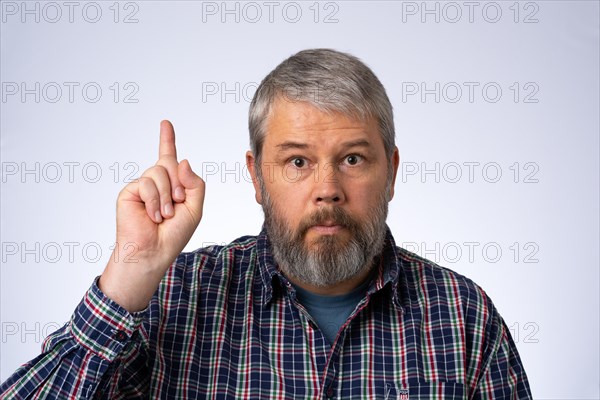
(197, 65)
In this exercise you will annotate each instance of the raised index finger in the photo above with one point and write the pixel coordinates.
(166, 147)
(167, 158)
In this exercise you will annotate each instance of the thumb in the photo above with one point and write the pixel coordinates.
(194, 185)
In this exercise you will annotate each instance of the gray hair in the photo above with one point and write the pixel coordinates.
(330, 80)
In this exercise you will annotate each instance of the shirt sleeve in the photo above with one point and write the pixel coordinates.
(503, 375)
(100, 353)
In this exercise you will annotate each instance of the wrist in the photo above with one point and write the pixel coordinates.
(130, 286)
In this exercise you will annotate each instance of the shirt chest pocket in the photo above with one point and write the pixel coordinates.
(427, 390)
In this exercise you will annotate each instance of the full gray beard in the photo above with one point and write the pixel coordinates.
(327, 260)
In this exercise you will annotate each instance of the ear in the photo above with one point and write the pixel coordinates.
(250, 163)
(395, 163)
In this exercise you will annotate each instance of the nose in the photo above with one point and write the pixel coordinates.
(328, 187)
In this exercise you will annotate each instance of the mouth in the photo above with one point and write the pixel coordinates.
(327, 227)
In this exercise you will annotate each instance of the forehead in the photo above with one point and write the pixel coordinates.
(299, 120)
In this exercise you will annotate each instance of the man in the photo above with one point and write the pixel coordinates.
(321, 304)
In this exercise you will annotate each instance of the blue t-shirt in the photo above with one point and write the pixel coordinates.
(330, 312)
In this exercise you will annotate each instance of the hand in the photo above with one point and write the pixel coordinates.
(156, 217)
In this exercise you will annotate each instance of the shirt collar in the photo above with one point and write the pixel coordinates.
(389, 270)
(266, 266)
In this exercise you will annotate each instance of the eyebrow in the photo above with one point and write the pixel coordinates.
(291, 145)
(299, 145)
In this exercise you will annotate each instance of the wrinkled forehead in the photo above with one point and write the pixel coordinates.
(303, 119)
(335, 105)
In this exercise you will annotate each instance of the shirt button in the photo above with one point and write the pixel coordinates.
(329, 393)
(120, 336)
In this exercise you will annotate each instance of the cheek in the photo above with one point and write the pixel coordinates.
(362, 197)
(289, 200)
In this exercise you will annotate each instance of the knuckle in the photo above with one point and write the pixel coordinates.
(152, 201)
(154, 171)
(126, 190)
(160, 168)
(165, 164)
(165, 197)
(144, 180)
(169, 167)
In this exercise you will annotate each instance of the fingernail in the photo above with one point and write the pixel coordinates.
(179, 193)
(157, 216)
(168, 209)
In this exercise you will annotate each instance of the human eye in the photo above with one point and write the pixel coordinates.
(298, 162)
(353, 159)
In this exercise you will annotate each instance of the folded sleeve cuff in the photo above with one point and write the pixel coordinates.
(103, 326)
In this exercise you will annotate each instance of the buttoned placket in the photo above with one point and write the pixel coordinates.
(329, 378)
(327, 358)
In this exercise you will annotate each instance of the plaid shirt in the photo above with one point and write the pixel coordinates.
(225, 324)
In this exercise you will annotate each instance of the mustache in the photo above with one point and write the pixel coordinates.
(336, 214)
